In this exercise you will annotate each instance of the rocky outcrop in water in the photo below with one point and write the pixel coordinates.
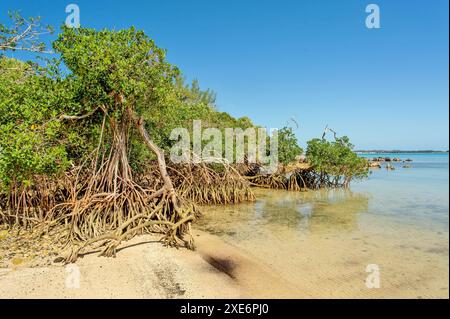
(388, 159)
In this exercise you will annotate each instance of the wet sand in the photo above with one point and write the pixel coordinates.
(323, 247)
(144, 268)
(316, 268)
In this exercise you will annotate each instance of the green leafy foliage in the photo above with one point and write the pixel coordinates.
(108, 70)
(336, 158)
(109, 65)
(110, 73)
(30, 137)
(192, 94)
(288, 148)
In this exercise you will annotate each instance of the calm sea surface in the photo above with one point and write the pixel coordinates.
(418, 195)
(323, 241)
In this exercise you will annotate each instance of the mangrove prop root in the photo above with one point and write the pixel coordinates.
(205, 184)
(103, 202)
(298, 180)
(291, 181)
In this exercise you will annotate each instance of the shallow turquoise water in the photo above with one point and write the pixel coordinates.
(418, 195)
(322, 241)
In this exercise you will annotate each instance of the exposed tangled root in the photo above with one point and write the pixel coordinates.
(209, 183)
(316, 180)
(158, 218)
(297, 176)
(291, 181)
(103, 203)
(89, 213)
(28, 205)
(101, 208)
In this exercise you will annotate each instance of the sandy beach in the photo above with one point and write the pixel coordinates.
(144, 268)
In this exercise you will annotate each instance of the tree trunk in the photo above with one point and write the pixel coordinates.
(140, 125)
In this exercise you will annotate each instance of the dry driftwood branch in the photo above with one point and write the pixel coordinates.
(23, 35)
(78, 117)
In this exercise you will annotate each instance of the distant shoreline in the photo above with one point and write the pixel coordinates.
(399, 152)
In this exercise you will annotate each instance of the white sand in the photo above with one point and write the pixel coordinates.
(146, 269)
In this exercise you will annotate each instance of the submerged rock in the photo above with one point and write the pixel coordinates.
(375, 165)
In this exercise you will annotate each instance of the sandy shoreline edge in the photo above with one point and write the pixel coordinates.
(144, 268)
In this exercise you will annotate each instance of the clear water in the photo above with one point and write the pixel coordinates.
(418, 195)
(323, 241)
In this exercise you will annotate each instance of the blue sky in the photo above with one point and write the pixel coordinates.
(312, 60)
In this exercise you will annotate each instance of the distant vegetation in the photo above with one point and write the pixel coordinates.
(399, 151)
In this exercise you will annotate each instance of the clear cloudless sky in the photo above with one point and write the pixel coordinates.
(312, 60)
